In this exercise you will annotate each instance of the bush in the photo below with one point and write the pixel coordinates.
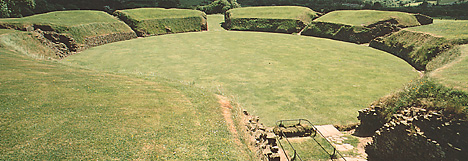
(219, 6)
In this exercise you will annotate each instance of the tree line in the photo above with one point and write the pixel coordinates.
(20, 8)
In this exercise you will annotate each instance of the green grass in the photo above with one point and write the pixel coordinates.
(454, 74)
(274, 76)
(65, 18)
(15, 40)
(280, 19)
(214, 22)
(307, 148)
(80, 24)
(141, 14)
(275, 12)
(454, 30)
(157, 21)
(6, 31)
(367, 17)
(50, 111)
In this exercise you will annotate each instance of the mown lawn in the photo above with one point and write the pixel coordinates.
(275, 12)
(274, 76)
(367, 17)
(50, 111)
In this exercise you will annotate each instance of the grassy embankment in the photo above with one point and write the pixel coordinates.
(426, 47)
(157, 21)
(51, 111)
(444, 88)
(282, 19)
(15, 40)
(360, 26)
(79, 24)
(274, 76)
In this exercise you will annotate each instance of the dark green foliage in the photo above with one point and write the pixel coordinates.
(16, 8)
(267, 25)
(219, 6)
(168, 3)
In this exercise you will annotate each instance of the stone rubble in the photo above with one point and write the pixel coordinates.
(262, 138)
(416, 134)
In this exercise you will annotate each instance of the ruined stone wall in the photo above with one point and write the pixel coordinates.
(261, 138)
(418, 134)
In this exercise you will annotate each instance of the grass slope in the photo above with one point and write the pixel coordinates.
(49, 111)
(453, 30)
(275, 76)
(80, 24)
(367, 17)
(157, 21)
(15, 40)
(454, 74)
(275, 12)
(283, 19)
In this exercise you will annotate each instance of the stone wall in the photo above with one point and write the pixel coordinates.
(418, 134)
(262, 138)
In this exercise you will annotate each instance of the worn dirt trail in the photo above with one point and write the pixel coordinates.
(226, 109)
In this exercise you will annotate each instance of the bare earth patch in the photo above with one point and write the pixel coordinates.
(226, 108)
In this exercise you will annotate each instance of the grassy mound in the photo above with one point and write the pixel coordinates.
(416, 48)
(453, 30)
(426, 47)
(283, 19)
(157, 21)
(51, 111)
(274, 76)
(87, 28)
(16, 40)
(360, 26)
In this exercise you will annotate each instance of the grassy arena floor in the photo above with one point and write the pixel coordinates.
(50, 111)
(274, 76)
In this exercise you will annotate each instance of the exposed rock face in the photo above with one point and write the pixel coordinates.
(371, 120)
(349, 33)
(64, 44)
(418, 134)
(423, 19)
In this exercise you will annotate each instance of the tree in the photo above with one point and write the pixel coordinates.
(16, 8)
(168, 3)
(219, 6)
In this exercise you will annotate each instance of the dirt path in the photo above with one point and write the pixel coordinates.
(464, 54)
(226, 108)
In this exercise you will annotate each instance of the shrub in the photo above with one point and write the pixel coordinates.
(219, 6)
